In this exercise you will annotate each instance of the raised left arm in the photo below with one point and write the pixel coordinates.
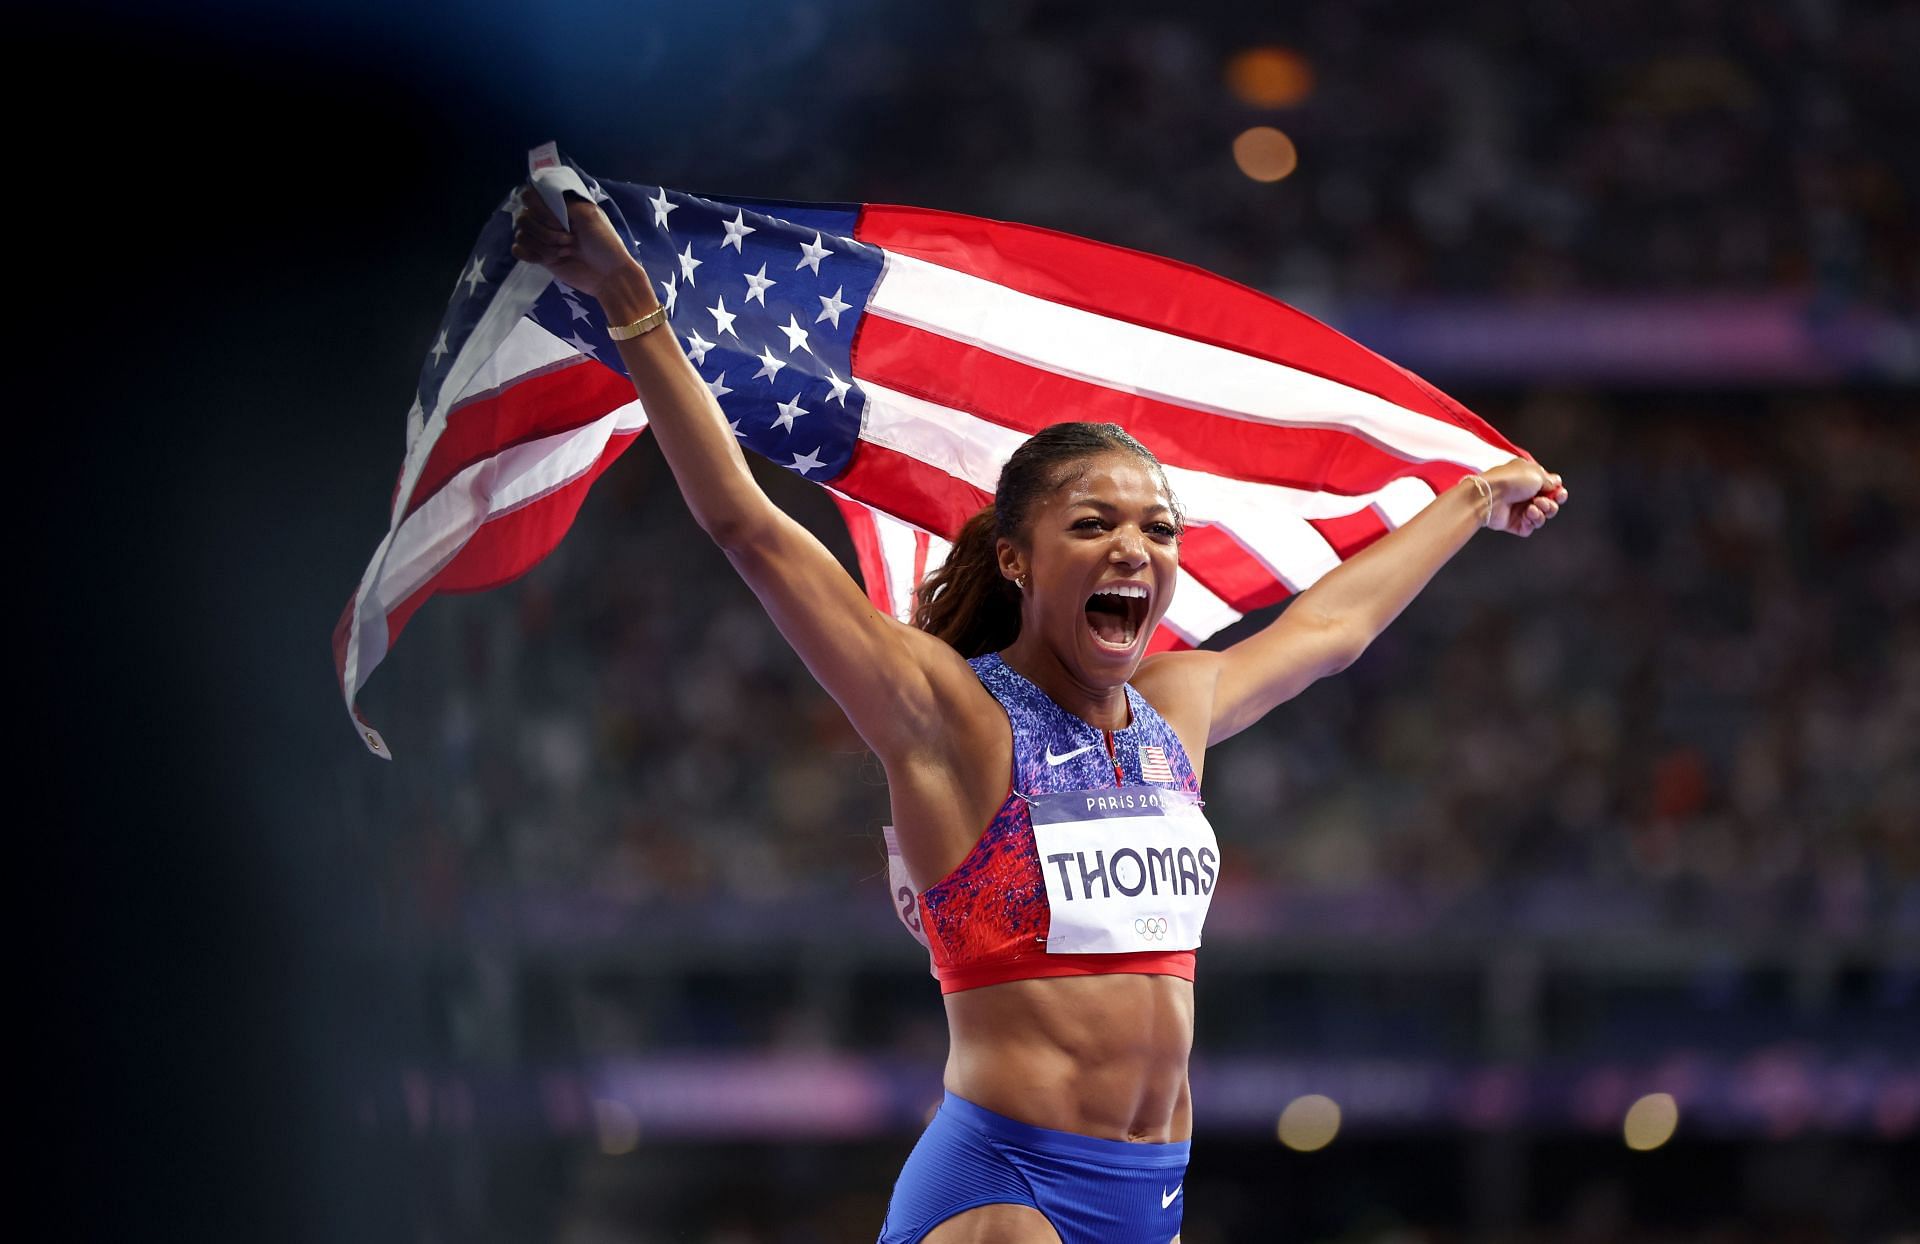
(1331, 623)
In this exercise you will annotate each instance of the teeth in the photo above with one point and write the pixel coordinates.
(1139, 593)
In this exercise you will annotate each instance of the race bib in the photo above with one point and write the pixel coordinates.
(1127, 869)
(905, 898)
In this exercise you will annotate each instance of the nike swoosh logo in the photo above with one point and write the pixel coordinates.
(1060, 760)
(1166, 1198)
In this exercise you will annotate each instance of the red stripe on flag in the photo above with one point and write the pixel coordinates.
(340, 630)
(909, 489)
(1027, 398)
(1227, 570)
(1156, 293)
(921, 544)
(1352, 532)
(508, 545)
(866, 546)
(527, 409)
(1164, 640)
(504, 547)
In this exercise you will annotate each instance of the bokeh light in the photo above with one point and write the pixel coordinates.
(1651, 1120)
(1310, 1122)
(1264, 153)
(1269, 77)
(617, 1127)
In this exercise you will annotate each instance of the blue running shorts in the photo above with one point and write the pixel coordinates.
(1093, 1191)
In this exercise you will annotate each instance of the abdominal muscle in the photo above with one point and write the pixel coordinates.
(1100, 1056)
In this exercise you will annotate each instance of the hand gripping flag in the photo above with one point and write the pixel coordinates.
(898, 356)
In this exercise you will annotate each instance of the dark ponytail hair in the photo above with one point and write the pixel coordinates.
(967, 602)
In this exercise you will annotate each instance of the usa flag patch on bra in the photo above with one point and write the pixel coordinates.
(1154, 766)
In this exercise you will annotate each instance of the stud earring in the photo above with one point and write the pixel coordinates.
(1021, 583)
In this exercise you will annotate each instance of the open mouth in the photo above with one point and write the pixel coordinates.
(1116, 615)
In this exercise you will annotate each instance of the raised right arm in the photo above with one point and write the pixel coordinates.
(897, 684)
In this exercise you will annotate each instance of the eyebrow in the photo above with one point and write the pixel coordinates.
(1158, 507)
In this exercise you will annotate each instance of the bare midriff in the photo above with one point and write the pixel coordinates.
(1101, 1056)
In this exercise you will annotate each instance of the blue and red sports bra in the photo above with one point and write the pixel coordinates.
(1099, 860)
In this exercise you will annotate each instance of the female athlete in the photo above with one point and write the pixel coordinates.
(1063, 933)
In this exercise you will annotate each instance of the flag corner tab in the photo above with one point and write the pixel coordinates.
(552, 177)
(375, 743)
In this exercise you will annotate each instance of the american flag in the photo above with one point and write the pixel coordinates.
(1153, 764)
(898, 356)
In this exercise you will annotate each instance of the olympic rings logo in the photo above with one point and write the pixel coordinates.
(1153, 928)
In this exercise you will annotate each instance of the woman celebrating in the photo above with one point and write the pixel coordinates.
(1044, 777)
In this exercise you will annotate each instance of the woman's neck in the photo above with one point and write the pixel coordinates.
(1104, 708)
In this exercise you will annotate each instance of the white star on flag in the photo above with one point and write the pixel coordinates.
(811, 253)
(840, 388)
(796, 335)
(769, 365)
(789, 411)
(758, 284)
(439, 347)
(697, 347)
(688, 263)
(718, 386)
(734, 424)
(577, 311)
(722, 318)
(830, 308)
(475, 279)
(661, 207)
(585, 347)
(806, 462)
(737, 231)
(672, 291)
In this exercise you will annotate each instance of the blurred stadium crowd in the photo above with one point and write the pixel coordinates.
(1487, 147)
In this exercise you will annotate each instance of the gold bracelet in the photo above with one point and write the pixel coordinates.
(645, 324)
(1486, 495)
